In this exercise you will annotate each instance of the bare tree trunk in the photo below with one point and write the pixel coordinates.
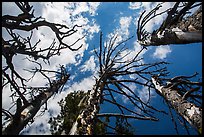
(187, 110)
(85, 121)
(28, 111)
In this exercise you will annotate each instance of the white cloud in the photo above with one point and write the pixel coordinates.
(89, 65)
(122, 31)
(135, 5)
(93, 6)
(54, 108)
(81, 7)
(124, 25)
(145, 97)
(125, 22)
(6, 99)
(161, 52)
(58, 13)
(143, 94)
(155, 22)
(61, 13)
(131, 53)
(92, 28)
(85, 84)
(132, 86)
(69, 13)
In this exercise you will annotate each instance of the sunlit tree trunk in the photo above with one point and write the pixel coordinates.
(85, 121)
(187, 110)
(27, 112)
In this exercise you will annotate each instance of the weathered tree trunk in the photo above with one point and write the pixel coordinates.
(188, 30)
(85, 121)
(28, 111)
(187, 110)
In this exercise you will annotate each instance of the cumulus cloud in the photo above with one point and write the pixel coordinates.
(85, 7)
(61, 13)
(93, 6)
(122, 30)
(92, 28)
(71, 13)
(85, 84)
(135, 5)
(161, 52)
(131, 53)
(124, 25)
(89, 65)
(57, 13)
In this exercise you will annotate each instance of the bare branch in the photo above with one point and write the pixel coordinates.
(174, 27)
(124, 116)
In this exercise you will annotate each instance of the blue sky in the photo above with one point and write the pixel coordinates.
(110, 18)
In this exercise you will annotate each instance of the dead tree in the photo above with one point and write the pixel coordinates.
(184, 96)
(177, 28)
(14, 43)
(114, 71)
(25, 113)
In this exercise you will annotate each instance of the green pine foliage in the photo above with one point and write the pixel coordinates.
(123, 128)
(68, 114)
(70, 111)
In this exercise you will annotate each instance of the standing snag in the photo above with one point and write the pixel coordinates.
(184, 96)
(114, 73)
(15, 42)
(26, 113)
(177, 28)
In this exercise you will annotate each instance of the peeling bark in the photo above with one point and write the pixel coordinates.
(28, 111)
(187, 110)
(85, 121)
